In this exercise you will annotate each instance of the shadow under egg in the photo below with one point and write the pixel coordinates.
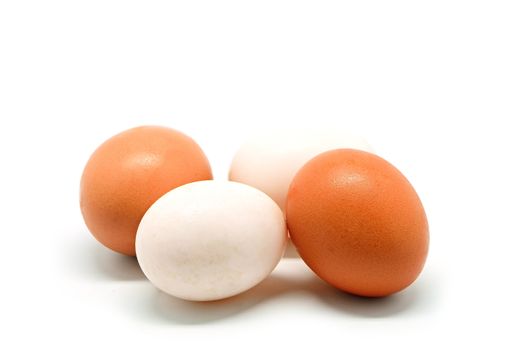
(416, 298)
(86, 257)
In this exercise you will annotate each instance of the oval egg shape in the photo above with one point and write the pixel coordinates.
(128, 173)
(358, 223)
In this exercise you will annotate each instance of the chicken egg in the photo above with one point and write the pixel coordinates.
(358, 223)
(210, 240)
(128, 173)
(270, 159)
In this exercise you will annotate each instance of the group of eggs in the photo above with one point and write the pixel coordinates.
(353, 218)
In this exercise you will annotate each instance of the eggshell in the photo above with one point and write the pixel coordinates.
(358, 223)
(269, 160)
(210, 240)
(128, 173)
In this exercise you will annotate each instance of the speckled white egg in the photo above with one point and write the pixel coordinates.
(270, 159)
(210, 240)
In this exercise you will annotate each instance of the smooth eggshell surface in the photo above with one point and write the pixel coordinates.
(210, 240)
(128, 173)
(269, 160)
(358, 223)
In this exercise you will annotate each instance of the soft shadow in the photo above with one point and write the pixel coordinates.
(87, 258)
(179, 311)
(415, 299)
(292, 287)
(291, 251)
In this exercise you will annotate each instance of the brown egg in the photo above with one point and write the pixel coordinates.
(128, 173)
(358, 223)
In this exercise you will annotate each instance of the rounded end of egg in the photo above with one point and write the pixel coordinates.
(129, 172)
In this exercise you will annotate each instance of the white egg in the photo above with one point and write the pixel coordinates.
(270, 159)
(210, 240)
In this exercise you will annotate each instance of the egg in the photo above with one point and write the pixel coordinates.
(210, 240)
(270, 159)
(358, 223)
(128, 173)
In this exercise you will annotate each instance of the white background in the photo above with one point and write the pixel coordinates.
(439, 88)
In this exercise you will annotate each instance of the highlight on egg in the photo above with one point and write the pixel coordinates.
(128, 173)
(358, 223)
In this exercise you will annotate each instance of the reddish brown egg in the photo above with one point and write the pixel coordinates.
(358, 223)
(128, 173)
